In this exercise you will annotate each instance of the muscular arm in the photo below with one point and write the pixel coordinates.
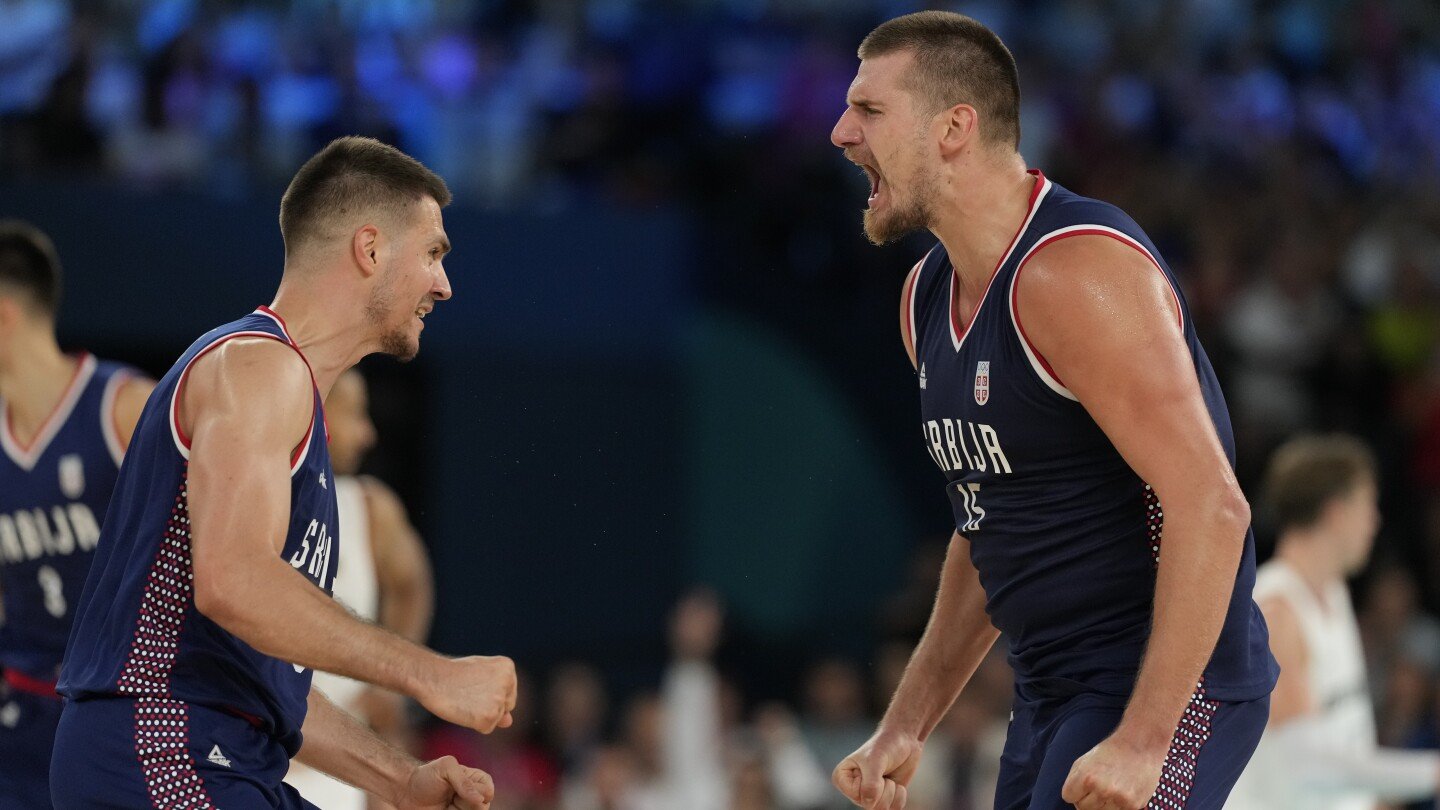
(959, 632)
(1106, 320)
(407, 590)
(956, 640)
(342, 746)
(247, 404)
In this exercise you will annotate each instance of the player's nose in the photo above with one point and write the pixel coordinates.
(441, 288)
(847, 130)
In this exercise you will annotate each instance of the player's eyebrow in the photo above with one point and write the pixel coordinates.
(444, 244)
(864, 103)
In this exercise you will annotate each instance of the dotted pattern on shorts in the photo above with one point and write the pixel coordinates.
(162, 736)
(1177, 777)
(1154, 523)
(162, 742)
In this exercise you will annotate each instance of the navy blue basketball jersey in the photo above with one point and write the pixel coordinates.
(53, 495)
(137, 632)
(1065, 536)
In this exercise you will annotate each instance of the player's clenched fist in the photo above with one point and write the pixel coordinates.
(476, 692)
(1113, 776)
(444, 783)
(876, 776)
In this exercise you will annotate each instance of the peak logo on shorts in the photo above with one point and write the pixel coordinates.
(982, 382)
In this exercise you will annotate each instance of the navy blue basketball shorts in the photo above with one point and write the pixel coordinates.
(1211, 747)
(145, 753)
(27, 734)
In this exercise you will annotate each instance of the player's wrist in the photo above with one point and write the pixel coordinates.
(902, 727)
(398, 780)
(420, 673)
(1143, 735)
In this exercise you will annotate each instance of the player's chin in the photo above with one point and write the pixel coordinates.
(881, 230)
(402, 345)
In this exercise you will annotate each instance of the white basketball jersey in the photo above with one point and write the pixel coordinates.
(1338, 685)
(358, 589)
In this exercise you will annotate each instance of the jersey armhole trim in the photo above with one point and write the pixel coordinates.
(912, 327)
(109, 421)
(1038, 363)
(182, 442)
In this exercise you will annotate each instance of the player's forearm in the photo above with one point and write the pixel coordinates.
(1199, 555)
(340, 745)
(957, 638)
(282, 615)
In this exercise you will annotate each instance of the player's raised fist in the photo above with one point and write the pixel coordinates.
(444, 783)
(877, 775)
(476, 692)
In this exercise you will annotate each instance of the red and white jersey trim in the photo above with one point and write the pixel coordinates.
(1042, 188)
(912, 327)
(182, 442)
(280, 322)
(1037, 362)
(26, 457)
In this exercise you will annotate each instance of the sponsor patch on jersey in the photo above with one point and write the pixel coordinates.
(982, 382)
(922, 376)
(72, 475)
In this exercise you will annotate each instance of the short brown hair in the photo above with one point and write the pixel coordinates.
(1309, 472)
(348, 173)
(957, 61)
(29, 265)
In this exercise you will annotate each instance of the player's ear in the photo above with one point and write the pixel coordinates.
(959, 126)
(10, 315)
(365, 249)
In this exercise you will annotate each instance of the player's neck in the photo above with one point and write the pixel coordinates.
(329, 332)
(977, 217)
(1310, 556)
(33, 387)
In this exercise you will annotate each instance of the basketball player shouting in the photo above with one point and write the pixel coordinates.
(1076, 419)
(188, 669)
(65, 421)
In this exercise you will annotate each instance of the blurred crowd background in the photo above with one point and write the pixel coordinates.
(672, 360)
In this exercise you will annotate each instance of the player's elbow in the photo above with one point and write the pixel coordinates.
(215, 595)
(1233, 512)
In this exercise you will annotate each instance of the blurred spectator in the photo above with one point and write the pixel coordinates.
(575, 715)
(835, 720)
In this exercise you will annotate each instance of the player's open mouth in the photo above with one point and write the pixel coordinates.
(420, 315)
(877, 183)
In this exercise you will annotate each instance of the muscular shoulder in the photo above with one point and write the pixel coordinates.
(1091, 266)
(263, 380)
(1078, 279)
